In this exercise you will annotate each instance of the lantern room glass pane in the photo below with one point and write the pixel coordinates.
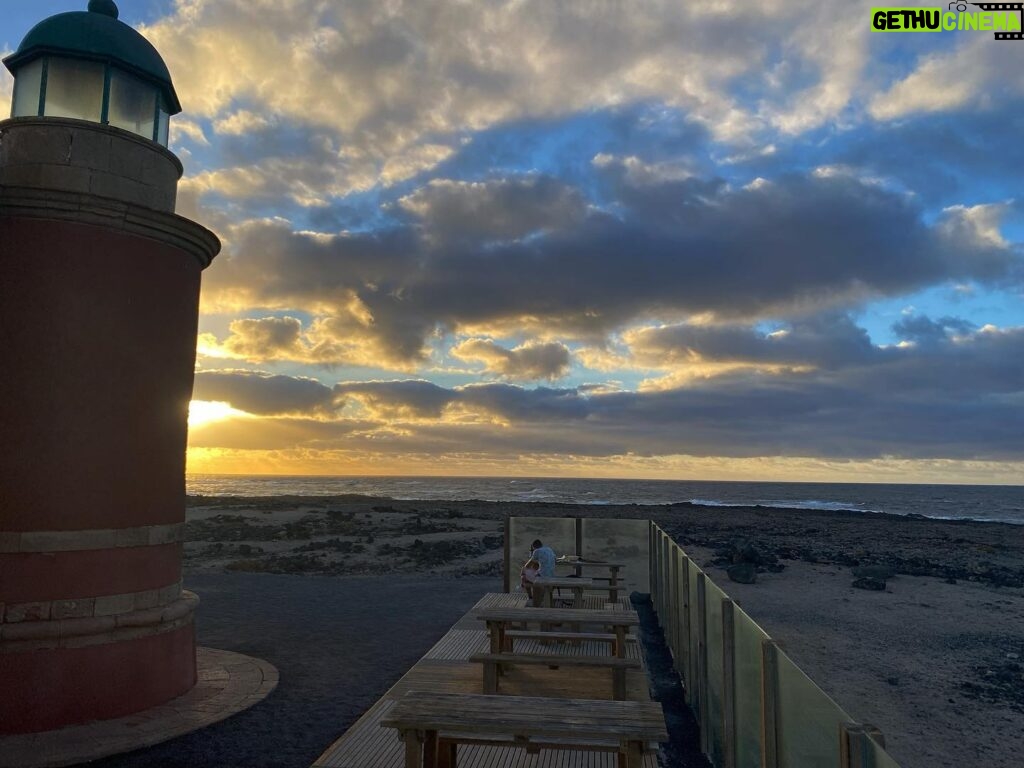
(74, 88)
(132, 104)
(27, 82)
(163, 125)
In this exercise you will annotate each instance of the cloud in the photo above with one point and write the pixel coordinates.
(922, 329)
(826, 341)
(973, 74)
(957, 397)
(501, 209)
(182, 127)
(257, 340)
(795, 247)
(529, 361)
(264, 393)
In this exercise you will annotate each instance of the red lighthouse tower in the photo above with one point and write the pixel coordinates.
(99, 290)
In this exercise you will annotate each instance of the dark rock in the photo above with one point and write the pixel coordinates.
(867, 582)
(742, 573)
(881, 572)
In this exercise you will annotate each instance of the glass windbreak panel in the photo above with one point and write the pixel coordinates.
(749, 638)
(622, 542)
(808, 721)
(694, 626)
(715, 714)
(162, 127)
(26, 90)
(879, 757)
(74, 89)
(559, 533)
(132, 104)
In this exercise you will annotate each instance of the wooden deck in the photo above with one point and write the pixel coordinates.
(446, 668)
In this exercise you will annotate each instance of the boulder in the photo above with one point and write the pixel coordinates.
(867, 582)
(742, 573)
(881, 572)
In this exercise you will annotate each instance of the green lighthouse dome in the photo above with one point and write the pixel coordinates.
(87, 65)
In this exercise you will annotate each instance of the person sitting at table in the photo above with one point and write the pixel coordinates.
(545, 556)
(529, 572)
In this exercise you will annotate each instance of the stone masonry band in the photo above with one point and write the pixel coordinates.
(88, 607)
(103, 538)
(98, 629)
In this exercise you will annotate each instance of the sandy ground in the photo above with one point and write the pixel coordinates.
(934, 660)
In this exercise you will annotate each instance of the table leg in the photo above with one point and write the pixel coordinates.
(413, 749)
(613, 583)
(634, 755)
(494, 632)
(620, 642)
(447, 754)
(430, 749)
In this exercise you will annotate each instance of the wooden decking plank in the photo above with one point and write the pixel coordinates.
(445, 668)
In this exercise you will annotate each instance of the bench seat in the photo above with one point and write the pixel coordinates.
(432, 725)
(493, 661)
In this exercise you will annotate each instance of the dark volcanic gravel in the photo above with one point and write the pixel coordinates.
(339, 644)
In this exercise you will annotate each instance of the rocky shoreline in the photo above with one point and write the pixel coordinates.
(913, 624)
(360, 534)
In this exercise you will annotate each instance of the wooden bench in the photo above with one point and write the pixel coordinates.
(433, 724)
(511, 635)
(493, 661)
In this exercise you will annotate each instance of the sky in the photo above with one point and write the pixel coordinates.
(719, 239)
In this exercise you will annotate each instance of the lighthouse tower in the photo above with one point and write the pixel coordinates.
(99, 291)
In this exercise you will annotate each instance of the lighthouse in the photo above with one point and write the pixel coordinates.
(99, 296)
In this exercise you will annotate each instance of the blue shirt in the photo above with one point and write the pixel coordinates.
(546, 557)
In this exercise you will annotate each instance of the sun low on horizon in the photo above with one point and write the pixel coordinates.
(695, 240)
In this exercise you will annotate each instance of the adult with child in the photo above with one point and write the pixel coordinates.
(545, 556)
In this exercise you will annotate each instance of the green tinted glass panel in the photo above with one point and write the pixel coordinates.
(74, 88)
(619, 541)
(879, 757)
(27, 83)
(808, 721)
(715, 714)
(749, 638)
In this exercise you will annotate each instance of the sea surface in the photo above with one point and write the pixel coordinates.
(975, 502)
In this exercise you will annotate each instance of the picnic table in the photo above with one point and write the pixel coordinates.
(578, 564)
(548, 584)
(502, 653)
(432, 725)
(500, 619)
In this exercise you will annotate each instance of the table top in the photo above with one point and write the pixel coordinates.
(557, 615)
(569, 582)
(592, 563)
(528, 716)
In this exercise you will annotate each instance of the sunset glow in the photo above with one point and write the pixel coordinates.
(672, 240)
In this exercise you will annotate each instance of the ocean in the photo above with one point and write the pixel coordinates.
(975, 502)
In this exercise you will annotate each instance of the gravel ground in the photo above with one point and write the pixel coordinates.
(339, 644)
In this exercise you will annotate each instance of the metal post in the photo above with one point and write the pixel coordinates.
(508, 555)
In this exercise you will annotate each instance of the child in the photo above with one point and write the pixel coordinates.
(529, 572)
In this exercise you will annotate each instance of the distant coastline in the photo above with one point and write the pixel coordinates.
(980, 503)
